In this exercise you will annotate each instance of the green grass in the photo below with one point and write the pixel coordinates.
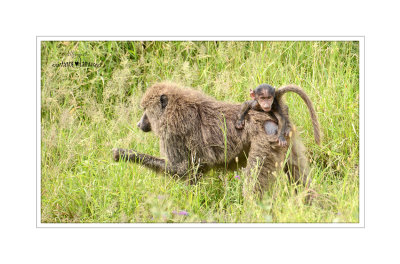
(86, 111)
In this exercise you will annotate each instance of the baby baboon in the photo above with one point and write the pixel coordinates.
(195, 129)
(265, 98)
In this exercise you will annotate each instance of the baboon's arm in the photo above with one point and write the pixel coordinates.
(282, 123)
(244, 109)
(154, 163)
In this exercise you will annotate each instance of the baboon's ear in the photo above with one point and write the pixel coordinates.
(252, 94)
(163, 101)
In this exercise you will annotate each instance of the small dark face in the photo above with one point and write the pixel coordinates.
(265, 101)
(144, 123)
(264, 94)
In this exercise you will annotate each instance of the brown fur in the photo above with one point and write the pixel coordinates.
(192, 129)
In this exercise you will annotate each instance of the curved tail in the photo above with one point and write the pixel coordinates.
(296, 89)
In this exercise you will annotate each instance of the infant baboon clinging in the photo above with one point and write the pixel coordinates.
(265, 98)
(195, 129)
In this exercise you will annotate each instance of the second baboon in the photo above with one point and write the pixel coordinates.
(196, 130)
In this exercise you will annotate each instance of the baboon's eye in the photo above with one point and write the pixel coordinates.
(163, 101)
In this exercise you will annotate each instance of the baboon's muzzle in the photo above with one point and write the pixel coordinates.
(144, 123)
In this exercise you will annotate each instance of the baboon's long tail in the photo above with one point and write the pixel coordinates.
(306, 99)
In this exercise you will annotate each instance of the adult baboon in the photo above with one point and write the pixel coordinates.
(197, 129)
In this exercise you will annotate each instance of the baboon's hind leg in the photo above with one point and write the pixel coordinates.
(297, 165)
(262, 163)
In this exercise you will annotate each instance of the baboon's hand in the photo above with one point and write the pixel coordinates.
(119, 154)
(282, 141)
(116, 153)
(239, 124)
(287, 131)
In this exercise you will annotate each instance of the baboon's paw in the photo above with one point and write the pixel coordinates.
(239, 124)
(282, 142)
(116, 154)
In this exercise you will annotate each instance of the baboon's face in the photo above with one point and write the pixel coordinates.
(264, 99)
(152, 117)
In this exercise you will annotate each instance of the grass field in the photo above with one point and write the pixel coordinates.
(87, 110)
